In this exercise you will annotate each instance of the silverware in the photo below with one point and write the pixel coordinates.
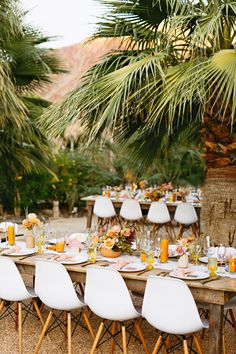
(143, 271)
(85, 264)
(27, 256)
(209, 279)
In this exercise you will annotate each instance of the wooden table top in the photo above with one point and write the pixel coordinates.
(217, 291)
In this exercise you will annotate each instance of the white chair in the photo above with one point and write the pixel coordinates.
(13, 289)
(107, 296)
(169, 306)
(55, 289)
(158, 214)
(131, 212)
(186, 216)
(4, 225)
(104, 210)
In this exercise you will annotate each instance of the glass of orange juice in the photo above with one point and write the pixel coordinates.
(60, 245)
(11, 235)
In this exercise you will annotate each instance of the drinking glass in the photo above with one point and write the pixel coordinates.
(11, 235)
(150, 258)
(221, 252)
(158, 248)
(212, 266)
(39, 236)
(60, 245)
(195, 252)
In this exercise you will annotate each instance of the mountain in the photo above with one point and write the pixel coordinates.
(77, 59)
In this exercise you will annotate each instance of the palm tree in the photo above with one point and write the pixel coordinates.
(178, 70)
(24, 68)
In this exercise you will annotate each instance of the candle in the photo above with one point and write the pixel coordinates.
(208, 241)
(11, 235)
(164, 251)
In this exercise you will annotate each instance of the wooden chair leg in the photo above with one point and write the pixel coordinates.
(38, 311)
(124, 343)
(43, 332)
(167, 342)
(232, 318)
(69, 332)
(1, 305)
(180, 232)
(157, 345)
(97, 338)
(140, 333)
(88, 324)
(185, 346)
(198, 344)
(113, 331)
(20, 326)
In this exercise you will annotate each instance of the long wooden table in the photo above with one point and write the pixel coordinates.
(90, 201)
(215, 293)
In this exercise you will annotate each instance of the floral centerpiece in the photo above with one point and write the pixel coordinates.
(30, 221)
(117, 239)
(182, 250)
(154, 194)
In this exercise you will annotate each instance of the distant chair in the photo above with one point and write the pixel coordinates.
(13, 290)
(4, 225)
(169, 306)
(159, 216)
(107, 296)
(131, 212)
(55, 289)
(186, 216)
(105, 211)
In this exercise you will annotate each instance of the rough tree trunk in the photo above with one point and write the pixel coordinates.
(218, 214)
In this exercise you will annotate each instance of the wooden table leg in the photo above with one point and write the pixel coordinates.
(89, 215)
(216, 315)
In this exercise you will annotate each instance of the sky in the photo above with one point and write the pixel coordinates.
(70, 20)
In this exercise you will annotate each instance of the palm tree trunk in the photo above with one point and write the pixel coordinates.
(218, 214)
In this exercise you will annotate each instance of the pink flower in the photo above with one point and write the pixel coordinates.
(116, 229)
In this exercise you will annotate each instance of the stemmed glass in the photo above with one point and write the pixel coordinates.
(221, 252)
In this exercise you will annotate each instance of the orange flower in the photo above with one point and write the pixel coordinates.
(126, 232)
(109, 243)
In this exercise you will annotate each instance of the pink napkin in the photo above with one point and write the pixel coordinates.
(121, 264)
(12, 250)
(182, 272)
(73, 243)
(64, 257)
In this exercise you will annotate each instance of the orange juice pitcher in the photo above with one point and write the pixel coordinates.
(11, 235)
(164, 250)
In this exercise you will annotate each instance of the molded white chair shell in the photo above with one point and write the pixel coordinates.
(185, 214)
(107, 295)
(131, 210)
(54, 287)
(169, 306)
(103, 208)
(4, 225)
(12, 286)
(158, 213)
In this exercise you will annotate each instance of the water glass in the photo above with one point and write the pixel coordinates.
(221, 252)
(212, 266)
(150, 258)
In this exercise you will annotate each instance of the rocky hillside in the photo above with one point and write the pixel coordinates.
(77, 59)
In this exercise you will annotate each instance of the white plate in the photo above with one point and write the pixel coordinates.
(203, 259)
(131, 267)
(192, 276)
(75, 260)
(22, 252)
